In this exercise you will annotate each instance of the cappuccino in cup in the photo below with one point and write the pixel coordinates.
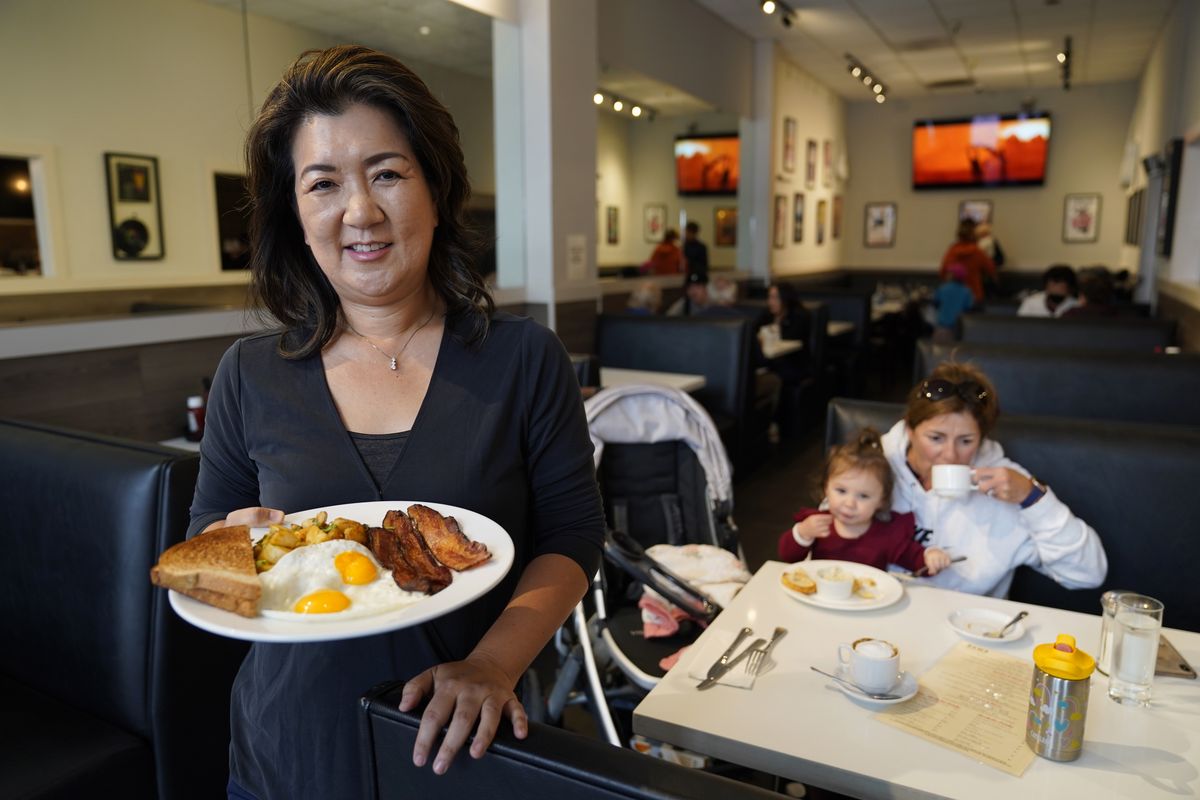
(873, 664)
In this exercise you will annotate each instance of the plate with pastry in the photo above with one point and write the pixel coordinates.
(840, 585)
(339, 572)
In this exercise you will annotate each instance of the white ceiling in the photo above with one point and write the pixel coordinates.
(970, 45)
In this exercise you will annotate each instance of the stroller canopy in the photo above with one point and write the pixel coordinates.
(649, 414)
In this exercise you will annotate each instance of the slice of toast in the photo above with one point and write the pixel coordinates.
(216, 568)
(798, 580)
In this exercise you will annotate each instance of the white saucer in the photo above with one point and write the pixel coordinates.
(972, 622)
(906, 688)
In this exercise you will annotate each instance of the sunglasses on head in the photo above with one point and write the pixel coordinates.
(969, 391)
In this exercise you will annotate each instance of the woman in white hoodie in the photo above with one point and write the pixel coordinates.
(1012, 519)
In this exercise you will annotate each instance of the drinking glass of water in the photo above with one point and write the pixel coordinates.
(1136, 625)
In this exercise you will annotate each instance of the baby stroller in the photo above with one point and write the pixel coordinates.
(665, 479)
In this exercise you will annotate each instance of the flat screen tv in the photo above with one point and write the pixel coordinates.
(985, 150)
(706, 164)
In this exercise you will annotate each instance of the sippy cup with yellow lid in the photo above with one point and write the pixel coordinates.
(1058, 699)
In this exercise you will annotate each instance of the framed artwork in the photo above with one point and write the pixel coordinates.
(789, 144)
(233, 220)
(610, 224)
(810, 164)
(1173, 155)
(654, 222)
(837, 217)
(822, 208)
(798, 217)
(1133, 217)
(1081, 218)
(978, 210)
(134, 207)
(725, 226)
(781, 218)
(827, 167)
(879, 225)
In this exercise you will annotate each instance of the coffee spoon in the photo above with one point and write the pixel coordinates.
(1000, 633)
(857, 689)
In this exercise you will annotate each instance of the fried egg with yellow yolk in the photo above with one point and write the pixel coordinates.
(335, 579)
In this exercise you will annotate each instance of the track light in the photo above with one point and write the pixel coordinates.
(856, 70)
(868, 80)
(879, 98)
(859, 72)
(598, 99)
(636, 111)
(768, 6)
(1062, 58)
(878, 88)
(618, 105)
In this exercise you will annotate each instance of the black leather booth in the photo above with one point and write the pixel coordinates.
(1133, 483)
(549, 763)
(1081, 384)
(1082, 333)
(716, 347)
(105, 692)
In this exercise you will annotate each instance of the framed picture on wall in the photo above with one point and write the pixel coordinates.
(789, 144)
(837, 217)
(822, 208)
(1081, 218)
(610, 224)
(134, 207)
(827, 163)
(879, 225)
(798, 217)
(1173, 155)
(781, 220)
(1133, 217)
(654, 222)
(978, 210)
(725, 226)
(810, 164)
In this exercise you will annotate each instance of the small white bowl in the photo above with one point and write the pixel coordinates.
(973, 622)
(834, 583)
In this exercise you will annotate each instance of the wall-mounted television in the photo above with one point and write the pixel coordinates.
(985, 150)
(706, 164)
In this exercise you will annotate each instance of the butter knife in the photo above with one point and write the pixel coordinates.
(715, 670)
(721, 669)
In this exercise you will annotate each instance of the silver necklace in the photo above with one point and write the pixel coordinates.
(394, 358)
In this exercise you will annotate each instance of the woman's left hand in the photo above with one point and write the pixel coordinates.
(463, 692)
(1003, 483)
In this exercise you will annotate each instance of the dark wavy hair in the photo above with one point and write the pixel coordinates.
(285, 278)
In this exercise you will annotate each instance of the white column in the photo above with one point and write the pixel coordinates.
(756, 190)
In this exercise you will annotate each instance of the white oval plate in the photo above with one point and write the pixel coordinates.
(906, 688)
(465, 587)
(972, 622)
(887, 589)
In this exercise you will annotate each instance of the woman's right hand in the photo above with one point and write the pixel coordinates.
(254, 516)
(816, 526)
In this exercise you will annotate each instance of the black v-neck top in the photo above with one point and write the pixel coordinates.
(501, 431)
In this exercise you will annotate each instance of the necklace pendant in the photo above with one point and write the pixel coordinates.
(393, 364)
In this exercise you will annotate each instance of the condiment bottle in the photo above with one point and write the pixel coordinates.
(1058, 699)
(195, 418)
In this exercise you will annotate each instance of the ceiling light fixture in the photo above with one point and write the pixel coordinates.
(636, 111)
(768, 6)
(620, 104)
(879, 98)
(598, 99)
(423, 30)
(1064, 58)
(858, 71)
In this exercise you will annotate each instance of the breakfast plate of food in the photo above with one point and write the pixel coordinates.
(339, 572)
(840, 585)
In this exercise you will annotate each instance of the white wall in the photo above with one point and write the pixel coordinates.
(614, 187)
(1086, 149)
(820, 117)
(163, 78)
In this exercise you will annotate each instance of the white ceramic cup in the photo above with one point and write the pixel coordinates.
(952, 480)
(873, 664)
(834, 583)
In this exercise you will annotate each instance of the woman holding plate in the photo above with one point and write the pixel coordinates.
(393, 378)
(1012, 520)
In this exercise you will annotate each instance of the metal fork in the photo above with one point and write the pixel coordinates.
(755, 661)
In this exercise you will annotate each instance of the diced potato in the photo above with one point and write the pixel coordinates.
(284, 538)
(315, 535)
(272, 552)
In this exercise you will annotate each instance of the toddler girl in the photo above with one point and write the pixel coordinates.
(858, 525)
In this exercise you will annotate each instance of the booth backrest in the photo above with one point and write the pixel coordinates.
(1081, 384)
(1132, 482)
(1083, 333)
(549, 763)
(85, 517)
(716, 347)
(847, 305)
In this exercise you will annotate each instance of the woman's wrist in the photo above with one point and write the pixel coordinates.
(1036, 492)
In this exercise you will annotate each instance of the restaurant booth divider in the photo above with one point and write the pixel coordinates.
(105, 691)
(1134, 483)
(1080, 384)
(1090, 333)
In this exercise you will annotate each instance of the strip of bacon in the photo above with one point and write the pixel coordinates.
(386, 545)
(446, 539)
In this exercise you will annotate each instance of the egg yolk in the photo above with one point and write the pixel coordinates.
(355, 568)
(323, 601)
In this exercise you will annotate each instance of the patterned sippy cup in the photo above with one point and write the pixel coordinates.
(1058, 699)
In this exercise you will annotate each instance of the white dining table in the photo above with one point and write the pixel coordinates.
(684, 382)
(838, 327)
(795, 724)
(781, 347)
